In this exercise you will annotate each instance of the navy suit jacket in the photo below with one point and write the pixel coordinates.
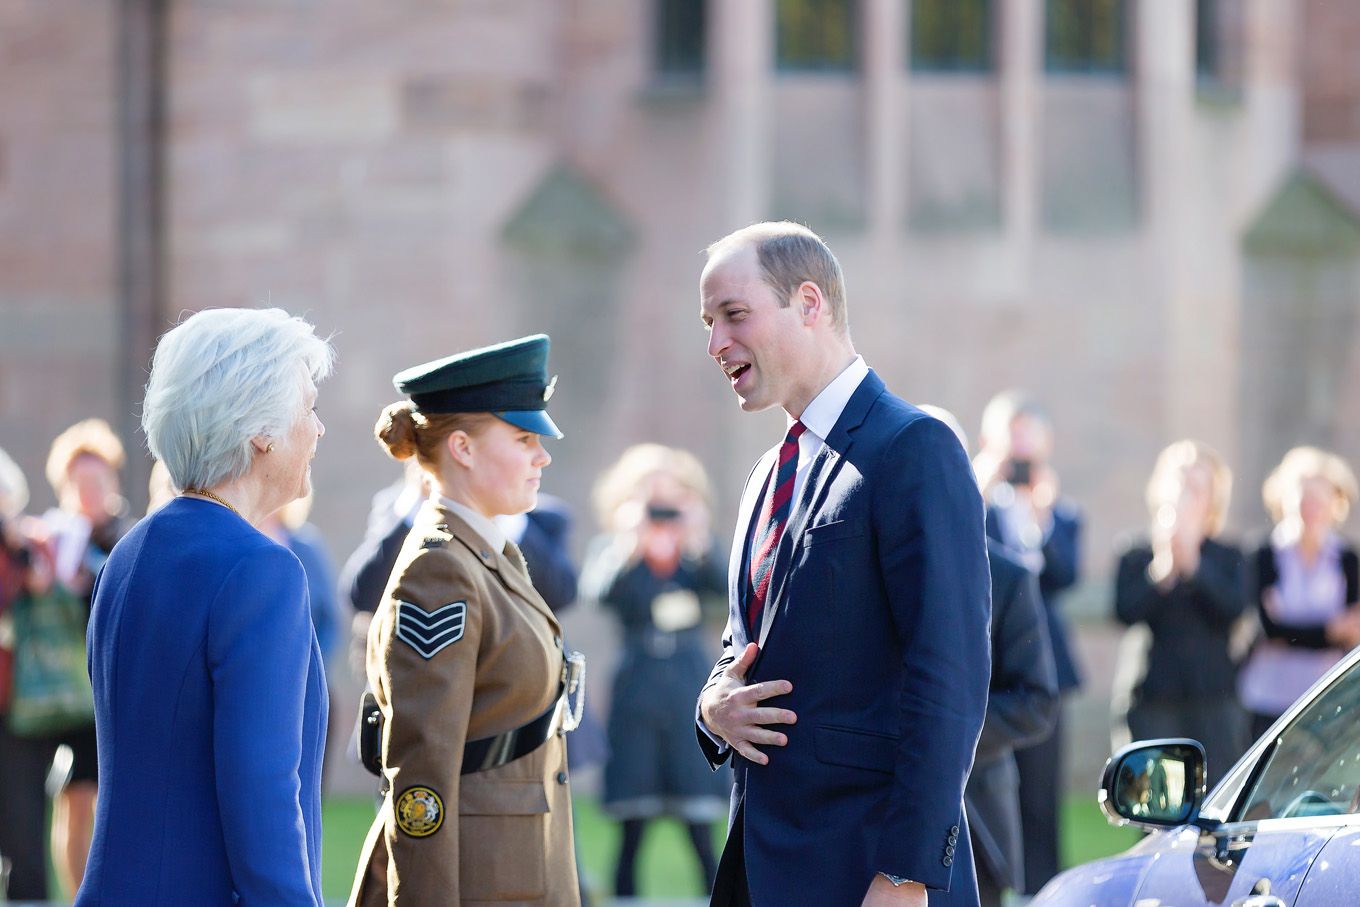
(1022, 708)
(210, 709)
(878, 615)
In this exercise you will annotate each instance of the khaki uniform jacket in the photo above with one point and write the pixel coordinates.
(494, 663)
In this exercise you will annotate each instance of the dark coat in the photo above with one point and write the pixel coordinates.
(1022, 707)
(1190, 623)
(1062, 567)
(877, 615)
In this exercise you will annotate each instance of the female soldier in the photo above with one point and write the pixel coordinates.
(464, 658)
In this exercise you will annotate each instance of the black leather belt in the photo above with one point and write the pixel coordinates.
(493, 752)
(487, 752)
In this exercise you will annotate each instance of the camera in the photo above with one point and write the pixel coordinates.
(1020, 472)
(661, 513)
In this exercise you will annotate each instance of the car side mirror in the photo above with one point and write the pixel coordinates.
(1154, 783)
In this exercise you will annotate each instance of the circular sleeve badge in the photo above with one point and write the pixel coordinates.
(420, 812)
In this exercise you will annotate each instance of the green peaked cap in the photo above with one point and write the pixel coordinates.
(508, 379)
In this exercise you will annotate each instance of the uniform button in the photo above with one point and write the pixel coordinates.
(561, 777)
(948, 861)
(486, 555)
(557, 640)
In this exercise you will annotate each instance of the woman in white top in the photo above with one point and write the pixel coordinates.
(1307, 583)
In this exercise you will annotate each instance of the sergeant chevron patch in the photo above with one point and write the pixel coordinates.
(428, 632)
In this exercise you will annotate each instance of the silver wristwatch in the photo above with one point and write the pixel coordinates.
(897, 881)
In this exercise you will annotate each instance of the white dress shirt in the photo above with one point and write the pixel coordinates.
(820, 417)
(490, 533)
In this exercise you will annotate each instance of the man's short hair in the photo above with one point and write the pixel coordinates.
(790, 254)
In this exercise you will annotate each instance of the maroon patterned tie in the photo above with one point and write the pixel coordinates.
(774, 515)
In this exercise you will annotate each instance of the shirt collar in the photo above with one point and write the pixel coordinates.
(822, 414)
(487, 529)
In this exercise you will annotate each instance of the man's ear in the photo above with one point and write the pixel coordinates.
(459, 445)
(810, 301)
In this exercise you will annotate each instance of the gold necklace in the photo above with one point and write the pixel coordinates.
(203, 492)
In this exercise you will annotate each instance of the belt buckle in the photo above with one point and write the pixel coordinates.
(573, 684)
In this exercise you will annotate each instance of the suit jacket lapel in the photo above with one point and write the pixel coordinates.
(741, 543)
(824, 467)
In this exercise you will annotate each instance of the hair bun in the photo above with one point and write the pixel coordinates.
(396, 430)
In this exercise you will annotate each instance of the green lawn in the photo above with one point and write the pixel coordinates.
(667, 865)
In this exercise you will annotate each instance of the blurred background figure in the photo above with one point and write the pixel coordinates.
(1307, 583)
(367, 569)
(655, 568)
(91, 516)
(23, 761)
(289, 527)
(1022, 706)
(1026, 514)
(1188, 588)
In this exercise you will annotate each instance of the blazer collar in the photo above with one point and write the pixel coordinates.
(442, 518)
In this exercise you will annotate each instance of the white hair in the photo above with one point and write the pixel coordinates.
(13, 488)
(220, 378)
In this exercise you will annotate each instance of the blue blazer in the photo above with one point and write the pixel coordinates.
(878, 617)
(210, 709)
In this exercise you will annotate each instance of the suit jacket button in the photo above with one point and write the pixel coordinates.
(949, 851)
(953, 839)
(954, 830)
(948, 861)
(561, 777)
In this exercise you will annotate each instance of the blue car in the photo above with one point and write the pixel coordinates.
(1281, 830)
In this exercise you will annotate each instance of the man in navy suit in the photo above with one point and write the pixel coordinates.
(853, 679)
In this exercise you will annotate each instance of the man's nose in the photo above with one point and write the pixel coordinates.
(717, 342)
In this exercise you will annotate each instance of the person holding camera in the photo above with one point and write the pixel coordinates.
(1026, 513)
(654, 569)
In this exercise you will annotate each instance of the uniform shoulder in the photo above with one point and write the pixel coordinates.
(434, 569)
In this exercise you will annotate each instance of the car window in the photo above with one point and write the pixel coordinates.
(1314, 767)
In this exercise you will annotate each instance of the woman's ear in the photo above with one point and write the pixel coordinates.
(262, 444)
(459, 445)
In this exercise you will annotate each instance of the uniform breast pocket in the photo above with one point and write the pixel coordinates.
(500, 840)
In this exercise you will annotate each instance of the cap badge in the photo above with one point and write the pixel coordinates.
(548, 391)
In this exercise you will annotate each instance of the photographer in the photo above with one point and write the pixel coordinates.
(653, 570)
(1026, 513)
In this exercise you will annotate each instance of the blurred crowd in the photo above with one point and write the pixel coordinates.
(1222, 636)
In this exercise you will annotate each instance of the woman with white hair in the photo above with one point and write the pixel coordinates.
(210, 697)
